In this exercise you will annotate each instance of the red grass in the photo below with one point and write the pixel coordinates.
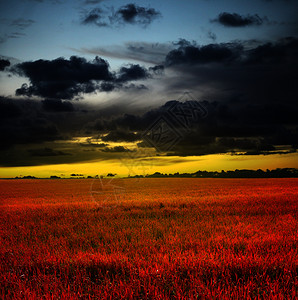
(167, 239)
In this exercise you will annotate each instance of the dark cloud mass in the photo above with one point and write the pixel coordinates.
(132, 72)
(121, 136)
(66, 79)
(252, 106)
(61, 78)
(188, 53)
(22, 122)
(157, 70)
(56, 105)
(46, 152)
(230, 127)
(3, 64)
(282, 51)
(135, 14)
(127, 14)
(236, 20)
(8, 109)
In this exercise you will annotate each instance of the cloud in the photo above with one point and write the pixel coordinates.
(116, 149)
(212, 36)
(66, 79)
(121, 136)
(95, 16)
(46, 152)
(23, 123)
(157, 70)
(134, 14)
(236, 20)
(91, 144)
(248, 88)
(17, 25)
(232, 126)
(282, 51)
(21, 23)
(188, 53)
(56, 105)
(127, 14)
(132, 72)
(229, 127)
(9, 109)
(61, 78)
(3, 64)
(139, 51)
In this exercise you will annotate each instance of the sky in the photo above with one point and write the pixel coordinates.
(99, 86)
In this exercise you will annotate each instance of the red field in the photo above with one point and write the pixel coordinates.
(159, 239)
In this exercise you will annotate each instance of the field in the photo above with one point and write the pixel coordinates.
(174, 238)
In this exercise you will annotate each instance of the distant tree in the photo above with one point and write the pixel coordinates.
(277, 173)
(111, 175)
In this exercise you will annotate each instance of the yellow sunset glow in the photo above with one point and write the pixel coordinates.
(149, 165)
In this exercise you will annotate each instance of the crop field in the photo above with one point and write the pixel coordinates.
(149, 238)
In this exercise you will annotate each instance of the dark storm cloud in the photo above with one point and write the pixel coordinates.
(22, 122)
(257, 74)
(132, 72)
(46, 152)
(66, 79)
(249, 90)
(253, 108)
(284, 51)
(124, 127)
(135, 14)
(121, 136)
(127, 14)
(61, 78)
(91, 144)
(116, 149)
(3, 64)
(228, 128)
(56, 105)
(231, 126)
(8, 109)
(237, 20)
(157, 70)
(188, 53)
